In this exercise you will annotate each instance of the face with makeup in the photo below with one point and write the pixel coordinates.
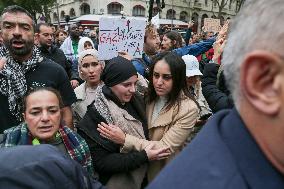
(162, 78)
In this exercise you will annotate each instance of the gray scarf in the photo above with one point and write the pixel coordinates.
(115, 115)
(13, 84)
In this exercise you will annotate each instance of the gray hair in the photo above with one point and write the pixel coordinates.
(248, 33)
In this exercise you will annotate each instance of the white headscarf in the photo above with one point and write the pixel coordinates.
(92, 52)
(82, 42)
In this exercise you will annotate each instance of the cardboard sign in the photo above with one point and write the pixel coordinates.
(119, 34)
(211, 24)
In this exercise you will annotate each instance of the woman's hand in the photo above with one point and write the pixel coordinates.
(223, 32)
(157, 154)
(111, 132)
(3, 61)
(74, 83)
(125, 55)
(190, 24)
(218, 47)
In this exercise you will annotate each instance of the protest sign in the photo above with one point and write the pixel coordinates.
(156, 20)
(121, 34)
(211, 24)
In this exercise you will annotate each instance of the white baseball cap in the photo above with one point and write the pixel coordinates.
(192, 65)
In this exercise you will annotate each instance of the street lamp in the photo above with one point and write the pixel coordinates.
(57, 10)
(172, 22)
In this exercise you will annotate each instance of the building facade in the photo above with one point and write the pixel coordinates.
(184, 10)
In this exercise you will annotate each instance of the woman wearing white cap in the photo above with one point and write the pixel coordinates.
(194, 85)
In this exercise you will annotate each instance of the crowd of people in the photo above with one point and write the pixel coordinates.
(157, 121)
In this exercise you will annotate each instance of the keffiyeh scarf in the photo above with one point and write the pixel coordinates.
(68, 50)
(118, 116)
(75, 145)
(13, 83)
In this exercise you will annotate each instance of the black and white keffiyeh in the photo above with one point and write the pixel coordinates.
(13, 82)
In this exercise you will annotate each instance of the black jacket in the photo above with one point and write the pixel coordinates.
(57, 55)
(217, 97)
(224, 155)
(106, 156)
(42, 166)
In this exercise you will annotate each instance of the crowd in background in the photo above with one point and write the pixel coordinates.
(121, 120)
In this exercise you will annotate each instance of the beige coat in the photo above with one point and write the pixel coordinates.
(79, 108)
(171, 129)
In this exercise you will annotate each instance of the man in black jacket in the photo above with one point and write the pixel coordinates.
(44, 36)
(218, 95)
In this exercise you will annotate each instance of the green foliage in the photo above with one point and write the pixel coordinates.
(33, 6)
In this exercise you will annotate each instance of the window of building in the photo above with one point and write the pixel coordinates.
(138, 10)
(195, 20)
(171, 14)
(55, 17)
(202, 19)
(85, 9)
(114, 8)
(183, 16)
(62, 15)
(72, 13)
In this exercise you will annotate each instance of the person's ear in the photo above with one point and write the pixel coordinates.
(36, 37)
(260, 85)
(24, 116)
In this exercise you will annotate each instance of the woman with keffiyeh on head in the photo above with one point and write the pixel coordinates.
(43, 125)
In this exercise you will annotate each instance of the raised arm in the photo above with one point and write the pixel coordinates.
(196, 49)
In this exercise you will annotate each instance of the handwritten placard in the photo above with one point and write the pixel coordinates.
(211, 24)
(119, 34)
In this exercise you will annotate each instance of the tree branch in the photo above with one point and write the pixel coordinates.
(226, 2)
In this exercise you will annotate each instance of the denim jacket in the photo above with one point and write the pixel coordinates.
(196, 49)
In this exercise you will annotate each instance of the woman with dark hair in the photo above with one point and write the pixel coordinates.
(43, 125)
(170, 109)
(60, 36)
(116, 103)
(171, 40)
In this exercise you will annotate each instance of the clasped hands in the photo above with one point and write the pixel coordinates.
(115, 134)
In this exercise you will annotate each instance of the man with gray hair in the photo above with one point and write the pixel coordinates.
(242, 147)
